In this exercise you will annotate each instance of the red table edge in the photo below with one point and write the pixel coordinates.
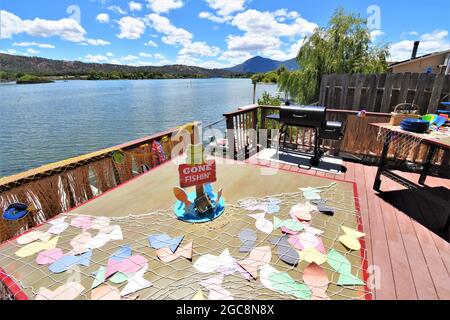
(17, 292)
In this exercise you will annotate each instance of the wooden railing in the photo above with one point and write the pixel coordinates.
(60, 186)
(360, 139)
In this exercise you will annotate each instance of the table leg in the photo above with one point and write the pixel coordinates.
(387, 142)
(427, 165)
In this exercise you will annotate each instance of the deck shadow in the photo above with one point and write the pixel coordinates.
(429, 211)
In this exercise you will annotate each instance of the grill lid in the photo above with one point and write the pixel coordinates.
(308, 116)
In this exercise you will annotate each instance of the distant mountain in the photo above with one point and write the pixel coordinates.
(47, 67)
(260, 64)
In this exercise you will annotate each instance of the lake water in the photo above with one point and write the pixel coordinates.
(43, 123)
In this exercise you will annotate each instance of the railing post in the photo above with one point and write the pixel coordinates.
(263, 118)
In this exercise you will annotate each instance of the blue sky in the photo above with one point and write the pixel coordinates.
(208, 33)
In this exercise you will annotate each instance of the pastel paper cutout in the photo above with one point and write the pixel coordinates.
(198, 296)
(317, 280)
(49, 256)
(100, 223)
(136, 283)
(307, 240)
(216, 291)
(119, 278)
(58, 228)
(79, 243)
(290, 224)
(128, 266)
(36, 247)
(302, 212)
(122, 253)
(248, 238)
(350, 239)
(342, 266)
(282, 282)
(105, 292)
(287, 231)
(99, 277)
(166, 255)
(288, 254)
(311, 193)
(257, 257)
(101, 239)
(68, 291)
(81, 222)
(159, 241)
(33, 236)
(262, 224)
(67, 262)
(313, 255)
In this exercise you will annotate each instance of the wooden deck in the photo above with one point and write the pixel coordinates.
(411, 262)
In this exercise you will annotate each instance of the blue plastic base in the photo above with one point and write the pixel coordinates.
(190, 215)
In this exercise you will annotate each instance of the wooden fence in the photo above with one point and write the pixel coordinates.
(382, 92)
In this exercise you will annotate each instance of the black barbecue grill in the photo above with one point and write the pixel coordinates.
(308, 117)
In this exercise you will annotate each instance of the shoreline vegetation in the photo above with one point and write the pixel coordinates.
(31, 79)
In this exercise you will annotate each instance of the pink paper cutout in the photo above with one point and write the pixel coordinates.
(128, 266)
(83, 223)
(49, 256)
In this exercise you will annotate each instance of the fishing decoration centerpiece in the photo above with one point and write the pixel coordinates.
(203, 205)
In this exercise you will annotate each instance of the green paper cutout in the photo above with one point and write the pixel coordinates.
(288, 224)
(342, 266)
(99, 277)
(283, 282)
(119, 278)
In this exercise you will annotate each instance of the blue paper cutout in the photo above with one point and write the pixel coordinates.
(123, 253)
(159, 241)
(66, 262)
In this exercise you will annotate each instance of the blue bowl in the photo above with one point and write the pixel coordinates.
(415, 125)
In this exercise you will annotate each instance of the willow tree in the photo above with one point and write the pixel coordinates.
(343, 47)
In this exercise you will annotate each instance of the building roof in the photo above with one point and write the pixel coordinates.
(394, 64)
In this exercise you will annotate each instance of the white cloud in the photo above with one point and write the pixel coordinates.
(151, 44)
(103, 18)
(199, 48)
(129, 58)
(135, 6)
(429, 42)
(233, 58)
(97, 42)
(145, 55)
(283, 14)
(164, 6)
(413, 33)
(374, 34)
(213, 18)
(159, 56)
(117, 10)
(66, 29)
(33, 44)
(131, 28)
(32, 51)
(173, 35)
(252, 42)
(110, 54)
(96, 58)
(226, 7)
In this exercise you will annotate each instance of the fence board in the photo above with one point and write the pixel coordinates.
(381, 92)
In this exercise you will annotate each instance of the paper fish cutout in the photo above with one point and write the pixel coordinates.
(49, 256)
(107, 234)
(67, 262)
(216, 291)
(317, 280)
(99, 277)
(159, 241)
(287, 231)
(33, 236)
(81, 222)
(290, 224)
(342, 266)
(249, 204)
(262, 224)
(248, 239)
(128, 266)
(350, 239)
(166, 255)
(79, 243)
(100, 223)
(311, 193)
(68, 291)
(105, 292)
(282, 282)
(224, 263)
(312, 255)
(136, 283)
(288, 254)
(58, 228)
(121, 254)
(198, 296)
(257, 257)
(269, 206)
(307, 240)
(36, 247)
(302, 212)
